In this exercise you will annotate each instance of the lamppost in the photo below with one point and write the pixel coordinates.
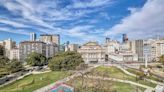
(146, 57)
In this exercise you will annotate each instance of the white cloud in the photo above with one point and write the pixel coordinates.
(105, 15)
(79, 31)
(147, 21)
(12, 23)
(82, 33)
(13, 31)
(38, 12)
(92, 3)
(45, 13)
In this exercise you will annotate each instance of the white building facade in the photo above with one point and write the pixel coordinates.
(92, 52)
(14, 54)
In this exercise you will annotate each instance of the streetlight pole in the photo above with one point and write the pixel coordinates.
(146, 60)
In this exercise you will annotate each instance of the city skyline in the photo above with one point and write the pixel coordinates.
(81, 45)
(81, 20)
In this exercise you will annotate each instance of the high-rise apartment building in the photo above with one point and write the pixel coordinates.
(27, 47)
(149, 49)
(73, 47)
(159, 48)
(48, 38)
(32, 37)
(9, 44)
(132, 46)
(14, 54)
(51, 49)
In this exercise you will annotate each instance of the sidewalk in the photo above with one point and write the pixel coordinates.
(131, 74)
(21, 77)
(123, 81)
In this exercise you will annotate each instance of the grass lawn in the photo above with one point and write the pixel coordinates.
(33, 82)
(148, 77)
(114, 72)
(102, 86)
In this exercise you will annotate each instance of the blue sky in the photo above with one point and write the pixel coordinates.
(81, 20)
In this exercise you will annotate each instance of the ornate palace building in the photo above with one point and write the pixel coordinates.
(92, 52)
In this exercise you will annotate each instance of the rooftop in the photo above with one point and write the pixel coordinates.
(91, 43)
(49, 35)
(31, 42)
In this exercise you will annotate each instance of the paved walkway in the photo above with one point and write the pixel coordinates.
(79, 73)
(131, 74)
(21, 77)
(119, 80)
(46, 88)
(148, 90)
(15, 79)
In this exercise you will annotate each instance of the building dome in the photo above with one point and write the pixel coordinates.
(91, 43)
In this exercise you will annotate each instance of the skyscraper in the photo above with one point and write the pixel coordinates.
(107, 40)
(32, 37)
(139, 44)
(124, 38)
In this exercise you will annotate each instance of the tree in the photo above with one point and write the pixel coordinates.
(36, 59)
(14, 66)
(3, 61)
(141, 75)
(65, 60)
(7, 66)
(2, 50)
(161, 60)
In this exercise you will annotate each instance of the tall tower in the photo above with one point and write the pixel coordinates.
(66, 46)
(32, 37)
(139, 45)
(107, 40)
(124, 38)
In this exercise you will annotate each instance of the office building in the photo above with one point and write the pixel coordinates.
(124, 38)
(66, 46)
(139, 44)
(107, 40)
